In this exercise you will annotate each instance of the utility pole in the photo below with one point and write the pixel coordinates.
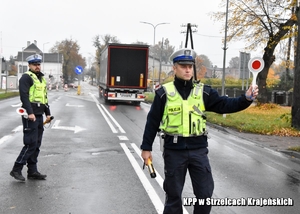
(225, 48)
(160, 61)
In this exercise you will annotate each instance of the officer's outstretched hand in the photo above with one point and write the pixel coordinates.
(146, 155)
(252, 93)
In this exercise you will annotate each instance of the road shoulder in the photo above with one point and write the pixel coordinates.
(276, 143)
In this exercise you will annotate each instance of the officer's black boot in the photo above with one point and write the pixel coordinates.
(36, 176)
(17, 175)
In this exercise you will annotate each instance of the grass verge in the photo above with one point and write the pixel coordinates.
(266, 119)
(8, 94)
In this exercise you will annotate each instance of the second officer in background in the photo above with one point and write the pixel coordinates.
(33, 95)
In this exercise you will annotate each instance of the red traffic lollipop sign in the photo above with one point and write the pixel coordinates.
(255, 65)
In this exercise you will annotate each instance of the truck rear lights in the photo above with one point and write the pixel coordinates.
(111, 95)
(141, 96)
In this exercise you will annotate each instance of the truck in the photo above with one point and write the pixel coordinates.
(123, 73)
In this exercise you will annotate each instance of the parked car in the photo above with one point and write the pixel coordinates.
(72, 85)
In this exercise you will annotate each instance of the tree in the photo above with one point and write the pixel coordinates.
(200, 68)
(71, 57)
(286, 79)
(272, 79)
(296, 93)
(260, 23)
(205, 60)
(234, 62)
(162, 50)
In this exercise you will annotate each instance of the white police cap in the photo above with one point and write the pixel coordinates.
(35, 58)
(184, 56)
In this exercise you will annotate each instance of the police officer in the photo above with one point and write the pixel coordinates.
(33, 95)
(178, 112)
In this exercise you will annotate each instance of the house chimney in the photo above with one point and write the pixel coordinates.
(35, 42)
(28, 43)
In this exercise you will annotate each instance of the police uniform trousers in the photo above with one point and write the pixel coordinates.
(177, 162)
(32, 139)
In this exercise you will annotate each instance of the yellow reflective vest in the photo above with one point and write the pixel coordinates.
(184, 117)
(38, 91)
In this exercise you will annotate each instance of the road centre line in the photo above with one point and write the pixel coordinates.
(158, 178)
(114, 130)
(145, 182)
(113, 119)
(107, 120)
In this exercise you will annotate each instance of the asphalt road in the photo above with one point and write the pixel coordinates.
(91, 155)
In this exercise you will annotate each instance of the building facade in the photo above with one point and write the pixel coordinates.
(51, 65)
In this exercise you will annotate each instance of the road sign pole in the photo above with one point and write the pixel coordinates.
(78, 70)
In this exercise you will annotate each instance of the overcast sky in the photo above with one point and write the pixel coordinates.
(49, 21)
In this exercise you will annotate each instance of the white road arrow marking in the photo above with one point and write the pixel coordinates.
(16, 105)
(17, 129)
(74, 105)
(5, 138)
(76, 129)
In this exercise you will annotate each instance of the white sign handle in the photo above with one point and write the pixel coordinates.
(255, 65)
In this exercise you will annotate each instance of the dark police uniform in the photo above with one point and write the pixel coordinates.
(32, 130)
(187, 153)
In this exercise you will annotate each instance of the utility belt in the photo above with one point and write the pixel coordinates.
(38, 104)
(163, 134)
(38, 108)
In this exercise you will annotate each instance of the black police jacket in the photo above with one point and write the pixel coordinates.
(213, 102)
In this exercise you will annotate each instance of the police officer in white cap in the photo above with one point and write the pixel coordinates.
(178, 114)
(33, 94)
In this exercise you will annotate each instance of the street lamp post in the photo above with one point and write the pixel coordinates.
(44, 55)
(58, 71)
(154, 27)
(225, 48)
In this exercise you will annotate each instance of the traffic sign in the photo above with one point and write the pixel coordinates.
(256, 64)
(78, 69)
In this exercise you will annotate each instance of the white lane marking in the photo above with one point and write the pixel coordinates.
(102, 109)
(107, 120)
(4, 138)
(17, 105)
(17, 129)
(158, 178)
(79, 106)
(113, 119)
(146, 183)
(122, 137)
(76, 129)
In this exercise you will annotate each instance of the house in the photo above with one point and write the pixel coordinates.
(51, 65)
(159, 68)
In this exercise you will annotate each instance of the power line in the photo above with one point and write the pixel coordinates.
(208, 35)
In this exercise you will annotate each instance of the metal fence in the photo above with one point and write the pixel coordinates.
(283, 98)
